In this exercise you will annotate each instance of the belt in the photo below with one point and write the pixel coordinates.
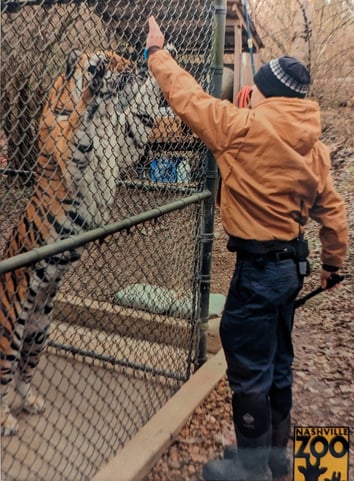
(236, 244)
(269, 256)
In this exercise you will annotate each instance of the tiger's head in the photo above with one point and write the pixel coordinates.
(100, 74)
(105, 72)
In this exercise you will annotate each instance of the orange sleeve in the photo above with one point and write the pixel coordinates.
(330, 212)
(216, 122)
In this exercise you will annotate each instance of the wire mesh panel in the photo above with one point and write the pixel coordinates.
(96, 338)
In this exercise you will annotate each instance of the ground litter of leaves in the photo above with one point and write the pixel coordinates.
(323, 392)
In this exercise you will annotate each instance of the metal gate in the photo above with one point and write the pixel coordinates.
(128, 324)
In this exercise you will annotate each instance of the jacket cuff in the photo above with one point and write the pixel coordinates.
(328, 268)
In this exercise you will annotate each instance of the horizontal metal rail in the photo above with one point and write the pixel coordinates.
(116, 362)
(72, 242)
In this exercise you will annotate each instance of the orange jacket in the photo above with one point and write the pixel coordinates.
(273, 167)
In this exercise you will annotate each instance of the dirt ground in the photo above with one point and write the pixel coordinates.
(323, 393)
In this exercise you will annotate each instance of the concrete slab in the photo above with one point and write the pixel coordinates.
(122, 320)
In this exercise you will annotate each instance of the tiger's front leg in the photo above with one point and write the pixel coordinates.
(27, 344)
(33, 346)
(13, 288)
(45, 284)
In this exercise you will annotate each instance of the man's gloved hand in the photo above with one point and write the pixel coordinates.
(324, 278)
(155, 37)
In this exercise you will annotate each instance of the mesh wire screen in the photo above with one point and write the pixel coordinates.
(123, 329)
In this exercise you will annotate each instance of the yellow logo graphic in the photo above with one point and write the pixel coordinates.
(321, 453)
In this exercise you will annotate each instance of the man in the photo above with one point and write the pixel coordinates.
(275, 175)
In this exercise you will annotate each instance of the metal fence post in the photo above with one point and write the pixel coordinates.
(211, 184)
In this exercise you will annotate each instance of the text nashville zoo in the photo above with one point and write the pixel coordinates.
(322, 441)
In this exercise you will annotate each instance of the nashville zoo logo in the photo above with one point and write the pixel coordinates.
(321, 454)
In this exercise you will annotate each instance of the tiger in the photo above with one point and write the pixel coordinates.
(62, 204)
(98, 118)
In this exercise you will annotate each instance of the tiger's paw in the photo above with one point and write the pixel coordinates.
(9, 424)
(33, 404)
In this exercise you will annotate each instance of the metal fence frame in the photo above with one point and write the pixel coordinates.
(205, 199)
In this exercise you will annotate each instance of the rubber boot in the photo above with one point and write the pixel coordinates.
(279, 461)
(250, 463)
(260, 408)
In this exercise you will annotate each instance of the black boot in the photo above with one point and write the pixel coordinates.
(251, 415)
(279, 462)
(250, 463)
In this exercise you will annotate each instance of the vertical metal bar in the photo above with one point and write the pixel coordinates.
(211, 183)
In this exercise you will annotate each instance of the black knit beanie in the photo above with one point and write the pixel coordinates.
(283, 77)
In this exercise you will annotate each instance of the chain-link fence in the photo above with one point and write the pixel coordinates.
(105, 229)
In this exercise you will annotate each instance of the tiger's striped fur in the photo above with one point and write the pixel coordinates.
(86, 136)
(62, 204)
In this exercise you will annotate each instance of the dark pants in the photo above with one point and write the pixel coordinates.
(256, 330)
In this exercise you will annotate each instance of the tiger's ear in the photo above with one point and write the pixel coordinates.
(71, 62)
